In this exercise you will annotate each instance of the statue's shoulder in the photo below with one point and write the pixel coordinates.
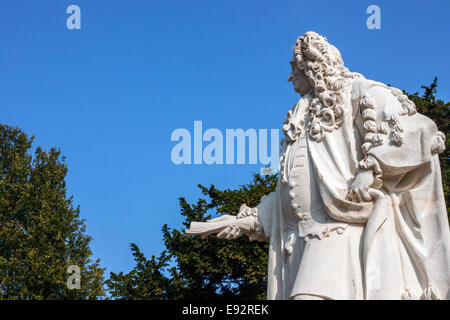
(390, 101)
(362, 86)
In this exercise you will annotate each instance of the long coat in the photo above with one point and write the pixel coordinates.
(403, 251)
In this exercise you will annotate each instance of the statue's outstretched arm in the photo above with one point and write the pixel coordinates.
(249, 221)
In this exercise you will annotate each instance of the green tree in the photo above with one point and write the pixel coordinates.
(144, 282)
(41, 233)
(211, 268)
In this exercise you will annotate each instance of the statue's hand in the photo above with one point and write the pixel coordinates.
(230, 227)
(245, 223)
(361, 185)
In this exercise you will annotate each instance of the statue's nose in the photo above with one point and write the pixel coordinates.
(290, 78)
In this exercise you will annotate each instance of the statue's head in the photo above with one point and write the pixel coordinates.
(317, 67)
(314, 63)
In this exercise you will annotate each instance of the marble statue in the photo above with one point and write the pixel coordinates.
(359, 210)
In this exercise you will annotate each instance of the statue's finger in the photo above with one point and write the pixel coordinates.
(220, 235)
(359, 196)
(223, 233)
(353, 196)
(229, 235)
(350, 196)
(365, 195)
(236, 233)
(375, 194)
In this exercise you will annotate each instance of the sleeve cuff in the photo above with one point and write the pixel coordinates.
(370, 162)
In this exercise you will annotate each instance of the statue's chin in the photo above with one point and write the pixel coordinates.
(298, 90)
(302, 91)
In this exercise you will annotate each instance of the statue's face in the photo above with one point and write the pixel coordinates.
(299, 80)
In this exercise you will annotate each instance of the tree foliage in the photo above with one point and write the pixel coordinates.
(144, 281)
(41, 233)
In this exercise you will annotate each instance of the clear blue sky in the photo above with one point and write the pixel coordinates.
(109, 95)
